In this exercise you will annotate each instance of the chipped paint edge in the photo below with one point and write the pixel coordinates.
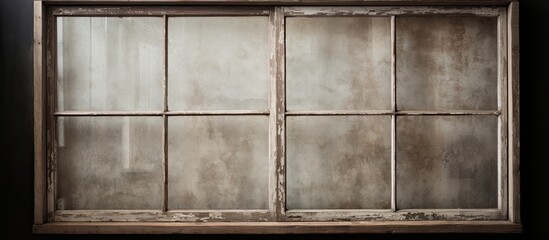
(390, 11)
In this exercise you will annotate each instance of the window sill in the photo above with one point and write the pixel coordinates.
(279, 227)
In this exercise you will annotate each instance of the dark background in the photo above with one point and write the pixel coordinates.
(16, 66)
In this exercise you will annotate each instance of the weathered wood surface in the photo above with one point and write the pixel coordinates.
(278, 137)
(39, 114)
(129, 216)
(159, 113)
(50, 97)
(502, 106)
(278, 109)
(281, 228)
(390, 11)
(286, 2)
(161, 11)
(514, 112)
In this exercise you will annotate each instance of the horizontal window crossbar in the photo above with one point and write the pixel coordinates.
(116, 11)
(157, 113)
(382, 112)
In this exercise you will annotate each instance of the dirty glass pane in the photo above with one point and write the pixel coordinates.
(338, 63)
(109, 63)
(338, 162)
(446, 162)
(218, 162)
(446, 63)
(109, 163)
(218, 63)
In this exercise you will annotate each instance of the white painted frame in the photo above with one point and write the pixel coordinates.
(506, 218)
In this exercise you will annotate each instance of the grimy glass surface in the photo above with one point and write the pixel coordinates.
(218, 63)
(338, 63)
(446, 63)
(446, 162)
(218, 162)
(338, 162)
(109, 163)
(109, 63)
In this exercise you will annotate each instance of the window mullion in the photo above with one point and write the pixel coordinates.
(277, 171)
(165, 117)
(393, 116)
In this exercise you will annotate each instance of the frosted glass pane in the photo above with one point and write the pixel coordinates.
(447, 162)
(109, 63)
(218, 162)
(446, 63)
(338, 162)
(338, 63)
(218, 63)
(109, 163)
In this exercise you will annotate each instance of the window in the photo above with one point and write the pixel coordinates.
(280, 119)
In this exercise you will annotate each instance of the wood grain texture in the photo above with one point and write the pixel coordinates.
(281, 228)
(272, 192)
(161, 11)
(158, 113)
(50, 97)
(279, 108)
(285, 2)
(278, 137)
(502, 118)
(39, 115)
(393, 116)
(391, 11)
(129, 216)
(384, 215)
(165, 118)
(385, 112)
(260, 215)
(514, 112)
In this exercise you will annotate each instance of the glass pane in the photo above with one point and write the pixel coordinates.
(109, 163)
(218, 63)
(446, 63)
(218, 162)
(338, 63)
(447, 162)
(109, 63)
(338, 162)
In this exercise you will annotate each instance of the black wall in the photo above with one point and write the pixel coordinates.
(16, 169)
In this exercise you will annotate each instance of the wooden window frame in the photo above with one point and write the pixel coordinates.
(506, 218)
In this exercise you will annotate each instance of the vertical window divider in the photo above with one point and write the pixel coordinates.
(393, 115)
(502, 116)
(51, 99)
(165, 117)
(277, 168)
